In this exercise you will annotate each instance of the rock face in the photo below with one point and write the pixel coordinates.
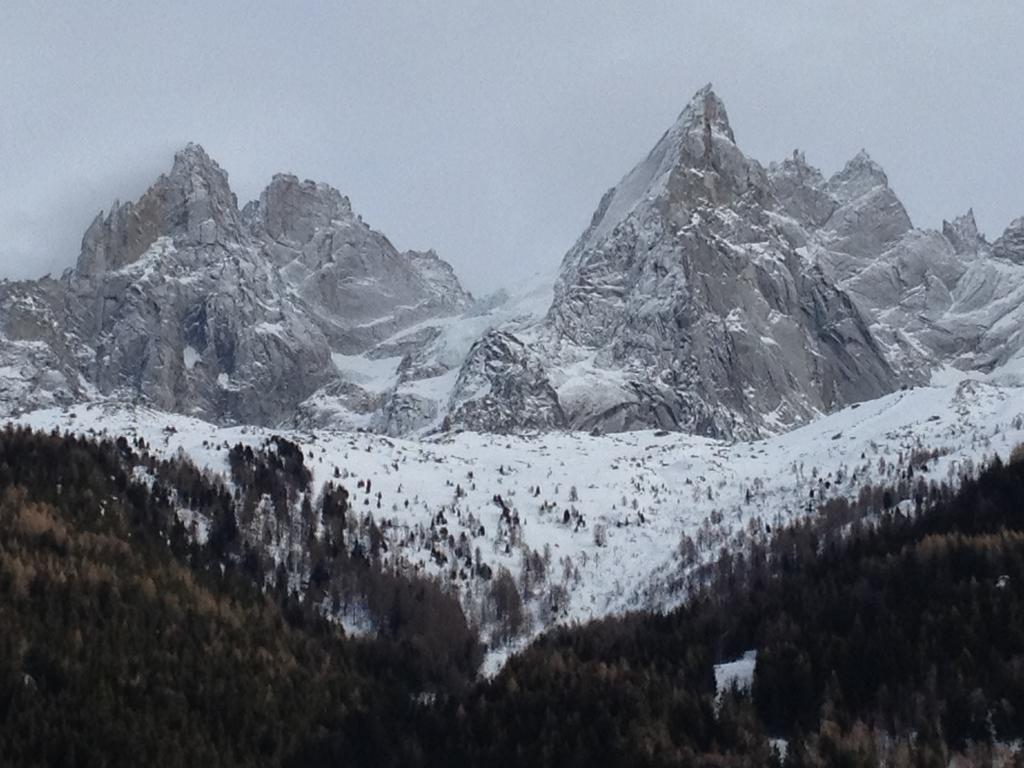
(716, 296)
(709, 294)
(1011, 245)
(193, 204)
(691, 302)
(184, 301)
(503, 385)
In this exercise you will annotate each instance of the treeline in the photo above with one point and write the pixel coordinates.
(125, 641)
(898, 642)
(334, 564)
(896, 638)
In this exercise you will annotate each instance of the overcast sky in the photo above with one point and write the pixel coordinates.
(489, 130)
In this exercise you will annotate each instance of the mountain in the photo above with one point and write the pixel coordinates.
(710, 295)
(880, 626)
(587, 525)
(193, 305)
(715, 296)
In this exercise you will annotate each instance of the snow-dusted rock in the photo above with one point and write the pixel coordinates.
(183, 301)
(962, 233)
(867, 219)
(1010, 245)
(193, 204)
(695, 297)
(801, 191)
(503, 386)
(708, 295)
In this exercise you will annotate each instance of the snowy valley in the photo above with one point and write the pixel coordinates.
(726, 348)
(590, 526)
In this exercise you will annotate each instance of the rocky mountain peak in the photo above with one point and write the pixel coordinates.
(869, 216)
(192, 204)
(291, 210)
(859, 176)
(706, 113)
(797, 165)
(183, 301)
(801, 190)
(197, 191)
(1010, 244)
(708, 295)
(962, 233)
(192, 158)
(696, 162)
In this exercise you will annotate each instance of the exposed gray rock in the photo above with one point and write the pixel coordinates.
(712, 296)
(1010, 245)
(708, 294)
(867, 219)
(801, 191)
(192, 204)
(184, 302)
(963, 234)
(686, 306)
(503, 386)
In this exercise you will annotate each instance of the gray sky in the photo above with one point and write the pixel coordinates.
(489, 130)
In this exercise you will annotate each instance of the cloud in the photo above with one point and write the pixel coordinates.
(489, 131)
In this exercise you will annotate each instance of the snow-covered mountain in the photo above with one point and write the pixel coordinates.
(760, 340)
(192, 305)
(709, 295)
(588, 525)
(715, 296)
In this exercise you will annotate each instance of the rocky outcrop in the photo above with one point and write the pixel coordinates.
(962, 233)
(709, 294)
(503, 386)
(686, 305)
(1010, 245)
(868, 217)
(714, 296)
(193, 205)
(801, 191)
(187, 303)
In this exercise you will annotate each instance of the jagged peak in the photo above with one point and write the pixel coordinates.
(796, 165)
(799, 157)
(1010, 244)
(201, 180)
(700, 135)
(1016, 225)
(192, 150)
(862, 164)
(193, 158)
(860, 175)
(967, 218)
(292, 210)
(429, 254)
(193, 202)
(962, 232)
(706, 110)
(313, 190)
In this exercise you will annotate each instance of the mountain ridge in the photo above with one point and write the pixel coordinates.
(709, 294)
(185, 300)
(713, 295)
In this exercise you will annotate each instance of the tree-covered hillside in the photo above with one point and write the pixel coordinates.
(125, 642)
(880, 635)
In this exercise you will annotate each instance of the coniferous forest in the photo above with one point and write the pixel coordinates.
(892, 636)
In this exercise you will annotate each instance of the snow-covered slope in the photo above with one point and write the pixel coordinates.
(416, 371)
(592, 525)
(948, 297)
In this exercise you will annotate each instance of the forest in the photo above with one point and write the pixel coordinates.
(883, 633)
